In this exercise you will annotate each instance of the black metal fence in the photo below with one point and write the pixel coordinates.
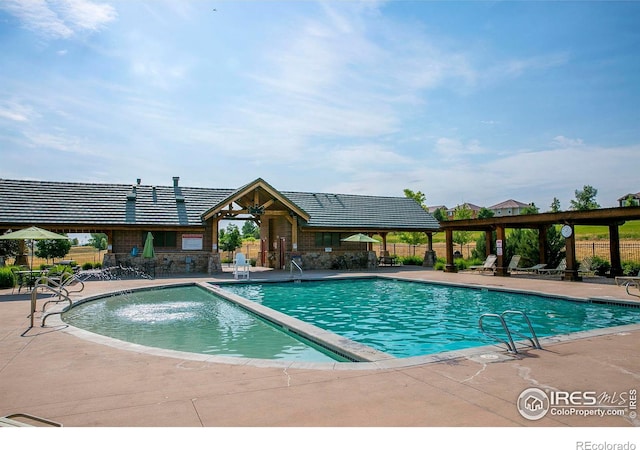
(629, 251)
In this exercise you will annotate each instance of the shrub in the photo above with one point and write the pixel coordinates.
(60, 269)
(7, 278)
(598, 265)
(87, 266)
(411, 260)
(97, 265)
(630, 268)
(440, 264)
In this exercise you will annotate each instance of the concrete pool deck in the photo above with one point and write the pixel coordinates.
(53, 373)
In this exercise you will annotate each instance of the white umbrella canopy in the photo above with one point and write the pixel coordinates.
(33, 234)
(359, 237)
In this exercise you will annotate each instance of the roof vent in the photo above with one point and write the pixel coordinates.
(138, 181)
(132, 195)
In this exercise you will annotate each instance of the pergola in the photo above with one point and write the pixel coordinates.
(610, 217)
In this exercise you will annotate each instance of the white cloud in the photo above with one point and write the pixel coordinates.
(15, 112)
(455, 149)
(60, 19)
(562, 141)
(517, 67)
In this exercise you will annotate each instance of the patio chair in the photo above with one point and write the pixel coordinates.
(557, 271)
(166, 266)
(489, 264)
(532, 269)
(513, 264)
(241, 266)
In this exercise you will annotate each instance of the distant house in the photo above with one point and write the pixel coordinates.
(629, 200)
(433, 209)
(508, 208)
(475, 209)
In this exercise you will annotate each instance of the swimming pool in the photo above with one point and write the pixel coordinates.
(191, 319)
(407, 318)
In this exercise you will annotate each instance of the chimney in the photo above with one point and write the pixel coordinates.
(138, 181)
(175, 181)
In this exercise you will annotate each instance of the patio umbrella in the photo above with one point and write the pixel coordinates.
(33, 234)
(148, 251)
(359, 238)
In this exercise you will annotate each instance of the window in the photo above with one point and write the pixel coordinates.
(328, 240)
(162, 238)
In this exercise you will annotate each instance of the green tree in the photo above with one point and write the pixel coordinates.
(9, 247)
(250, 230)
(485, 213)
(230, 239)
(98, 240)
(630, 200)
(530, 209)
(418, 196)
(585, 199)
(462, 237)
(53, 248)
(414, 238)
(439, 215)
(555, 205)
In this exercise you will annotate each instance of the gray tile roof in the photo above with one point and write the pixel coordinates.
(363, 212)
(46, 202)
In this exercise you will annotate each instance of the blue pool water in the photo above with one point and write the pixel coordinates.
(408, 319)
(190, 319)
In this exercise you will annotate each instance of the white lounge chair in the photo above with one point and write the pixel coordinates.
(241, 267)
(532, 269)
(489, 264)
(513, 264)
(557, 271)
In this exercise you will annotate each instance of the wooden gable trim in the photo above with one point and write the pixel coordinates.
(254, 186)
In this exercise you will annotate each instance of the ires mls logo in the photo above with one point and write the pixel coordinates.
(534, 403)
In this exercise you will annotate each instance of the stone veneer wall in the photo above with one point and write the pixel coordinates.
(199, 261)
(339, 260)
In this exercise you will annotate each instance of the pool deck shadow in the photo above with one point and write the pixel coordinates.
(53, 372)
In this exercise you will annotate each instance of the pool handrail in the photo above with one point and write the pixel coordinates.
(533, 338)
(294, 263)
(511, 346)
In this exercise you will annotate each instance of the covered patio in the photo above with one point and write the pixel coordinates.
(613, 218)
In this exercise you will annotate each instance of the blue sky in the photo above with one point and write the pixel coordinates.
(465, 101)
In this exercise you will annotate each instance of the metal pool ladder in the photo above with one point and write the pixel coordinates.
(294, 263)
(511, 346)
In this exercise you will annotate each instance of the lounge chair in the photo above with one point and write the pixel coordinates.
(489, 264)
(513, 264)
(532, 269)
(165, 268)
(241, 266)
(557, 271)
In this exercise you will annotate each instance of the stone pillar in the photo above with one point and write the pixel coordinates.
(429, 258)
(215, 266)
(430, 254)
